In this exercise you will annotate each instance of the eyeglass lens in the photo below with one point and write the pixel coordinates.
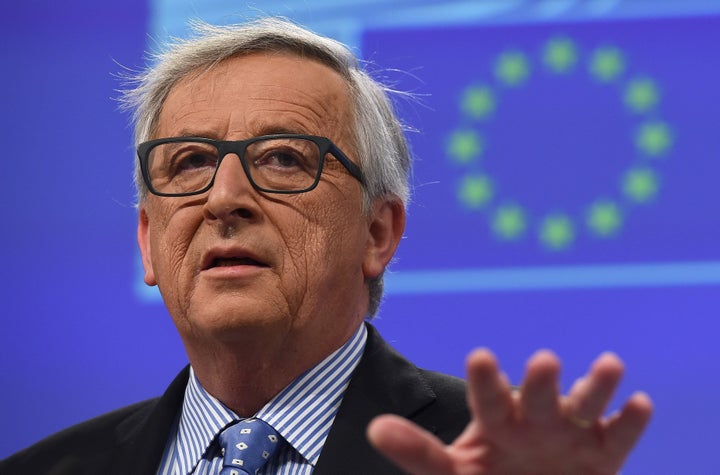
(281, 164)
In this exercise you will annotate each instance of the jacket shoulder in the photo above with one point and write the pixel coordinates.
(448, 415)
(127, 440)
(82, 448)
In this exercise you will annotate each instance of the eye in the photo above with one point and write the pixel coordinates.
(281, 159)
(195, 160)
(191, 158)
(276, 160)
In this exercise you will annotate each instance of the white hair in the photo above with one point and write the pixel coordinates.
(380, 144)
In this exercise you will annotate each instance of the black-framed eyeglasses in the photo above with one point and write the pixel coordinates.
(280, 163)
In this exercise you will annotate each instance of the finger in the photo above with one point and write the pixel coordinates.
(539, 397)
(408, 446)
(624, 428)
(590, 395)
(488, 389)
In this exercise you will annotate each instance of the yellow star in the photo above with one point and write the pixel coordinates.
(556, 232)
(604, 218)
(512, 68)
(476, 191)
(607, 64)
(560, 55)
(478, 102)
(509, 222)
(464, 146)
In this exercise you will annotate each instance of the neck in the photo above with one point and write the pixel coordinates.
(245, 375)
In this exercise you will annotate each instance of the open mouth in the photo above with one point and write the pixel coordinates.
(235, 261)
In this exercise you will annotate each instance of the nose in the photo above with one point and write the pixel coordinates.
(232, 196)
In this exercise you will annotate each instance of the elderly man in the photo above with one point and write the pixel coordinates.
(272, 181)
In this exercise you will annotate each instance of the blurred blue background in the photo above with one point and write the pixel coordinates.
(565, 196)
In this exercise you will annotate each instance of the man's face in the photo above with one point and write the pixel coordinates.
(234, 262)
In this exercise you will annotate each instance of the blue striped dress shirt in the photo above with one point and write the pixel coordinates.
(302, 413)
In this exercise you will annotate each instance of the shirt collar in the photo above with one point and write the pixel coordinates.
(302, 413)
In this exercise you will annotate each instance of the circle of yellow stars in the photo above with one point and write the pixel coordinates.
(604, 217)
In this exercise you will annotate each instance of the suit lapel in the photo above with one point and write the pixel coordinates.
(143, 437)
(384, 382)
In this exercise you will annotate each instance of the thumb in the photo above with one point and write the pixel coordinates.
(410, 447)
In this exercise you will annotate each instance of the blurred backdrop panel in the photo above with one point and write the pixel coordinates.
(565, 196)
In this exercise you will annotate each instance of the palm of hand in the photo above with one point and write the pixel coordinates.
(528, 430)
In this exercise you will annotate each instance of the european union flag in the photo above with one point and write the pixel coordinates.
(568, 144)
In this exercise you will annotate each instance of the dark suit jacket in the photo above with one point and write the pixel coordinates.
(131, 440)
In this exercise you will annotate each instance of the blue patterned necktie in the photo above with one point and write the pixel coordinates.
(247, 445)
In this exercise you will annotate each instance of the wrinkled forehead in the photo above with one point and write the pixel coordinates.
(262, 91)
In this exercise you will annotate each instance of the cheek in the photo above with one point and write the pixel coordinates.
(171, 236)
(300, 234)
(325, 238)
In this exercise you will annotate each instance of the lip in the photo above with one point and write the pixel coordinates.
(241, 257)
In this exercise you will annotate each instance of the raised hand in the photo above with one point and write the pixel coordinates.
(528, 430)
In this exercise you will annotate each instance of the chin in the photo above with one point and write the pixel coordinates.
(235, 322)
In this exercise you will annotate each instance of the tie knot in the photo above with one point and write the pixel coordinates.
(247, 445)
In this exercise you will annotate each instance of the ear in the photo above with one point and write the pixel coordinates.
(387, 223)
(143, 234)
